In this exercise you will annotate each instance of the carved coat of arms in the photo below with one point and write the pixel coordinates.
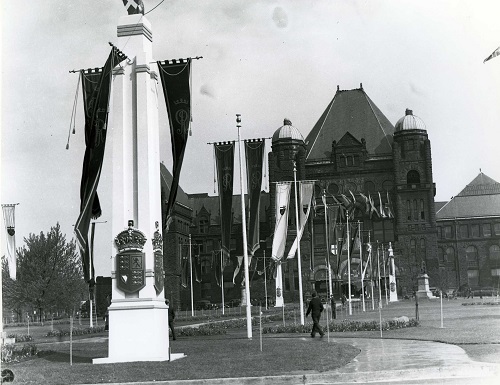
(130, 260)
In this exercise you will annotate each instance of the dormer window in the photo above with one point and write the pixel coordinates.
(203, 226)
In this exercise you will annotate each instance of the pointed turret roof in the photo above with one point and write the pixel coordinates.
(481, 197)
(354, 112)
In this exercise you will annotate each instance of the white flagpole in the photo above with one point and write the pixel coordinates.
(348, 263)
(222, 280)
(378, 268)
(385, 276)
(191, 276)
(244, 230)
(361, 267)
(265, 277)
(299, 267)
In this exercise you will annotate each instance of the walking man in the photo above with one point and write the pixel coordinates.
(315, 308)
(171, 318)
(334, 307)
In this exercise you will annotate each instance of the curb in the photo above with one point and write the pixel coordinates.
(475, 371)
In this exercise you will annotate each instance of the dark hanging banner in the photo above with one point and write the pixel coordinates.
(96, 91)
(254, 151)
(175, 78)
(224, 158)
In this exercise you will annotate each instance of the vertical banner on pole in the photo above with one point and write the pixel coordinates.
(254, 153)
(10, 231)
(306, 196)
(96, 91)
(224, 157)
(175, 78)
(281, 228)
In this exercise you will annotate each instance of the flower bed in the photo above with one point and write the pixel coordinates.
(14, 353)
(76, 331)
(343, 326)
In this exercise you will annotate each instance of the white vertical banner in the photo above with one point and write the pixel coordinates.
(306, 193)
(10, 231)
(282, 210)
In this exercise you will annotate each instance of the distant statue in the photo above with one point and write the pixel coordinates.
(423, 268)
(134, 7)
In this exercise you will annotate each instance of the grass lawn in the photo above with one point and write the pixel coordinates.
(475, 328)
(206, 357)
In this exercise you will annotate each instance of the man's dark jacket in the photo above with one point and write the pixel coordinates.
(315, 307)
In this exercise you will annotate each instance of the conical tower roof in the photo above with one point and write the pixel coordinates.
(354, 112)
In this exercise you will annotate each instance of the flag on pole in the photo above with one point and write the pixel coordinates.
(238, 267)
(224, 158)
(495, 53)
(185, 267)
(356, 242)
(217, 267)
(175, 78)
(10, 231)
(281, 228)
(306, 195)
(96, 104)
(373, 209)
(197, 269)
(388, 206)
(367, 203)
(254, 151)
(381, 209)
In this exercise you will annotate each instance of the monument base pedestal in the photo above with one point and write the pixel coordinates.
(423, 287)
(138, 331)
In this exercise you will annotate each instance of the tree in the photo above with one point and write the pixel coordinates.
(49, 274)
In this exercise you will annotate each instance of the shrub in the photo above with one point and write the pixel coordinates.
(203, 330)
(14, 353)
(21, 337)
(481, 303)
(76, 331)
(343, 326)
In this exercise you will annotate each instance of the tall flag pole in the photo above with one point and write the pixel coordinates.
(175, 78)
(96, 103)
(191, 274)
(10, 231)
(348, 263)
(297, 227)
(327, 242)
(244, 230)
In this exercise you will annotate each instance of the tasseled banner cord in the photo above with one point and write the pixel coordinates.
(72, 121)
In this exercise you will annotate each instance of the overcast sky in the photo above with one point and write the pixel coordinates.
(265, 60)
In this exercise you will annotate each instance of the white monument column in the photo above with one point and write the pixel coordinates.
(393, 296)
(138, 315)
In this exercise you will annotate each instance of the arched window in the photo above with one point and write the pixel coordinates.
(440, 256)
(413, 250)
(333, 189)
(408, 210)
(369, 186)
(450, 254)
(413, 177)
(422, 211)
(349, 186)
(471, 254)
(415, 210)
(495, 252)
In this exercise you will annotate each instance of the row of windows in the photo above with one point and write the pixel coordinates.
(465, 231)
(415, 211)
(472, 255)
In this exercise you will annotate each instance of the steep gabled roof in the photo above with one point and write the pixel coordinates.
(166, 182)
(479, 198)
(354, 112)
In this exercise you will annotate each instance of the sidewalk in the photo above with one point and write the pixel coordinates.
(382, 361)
